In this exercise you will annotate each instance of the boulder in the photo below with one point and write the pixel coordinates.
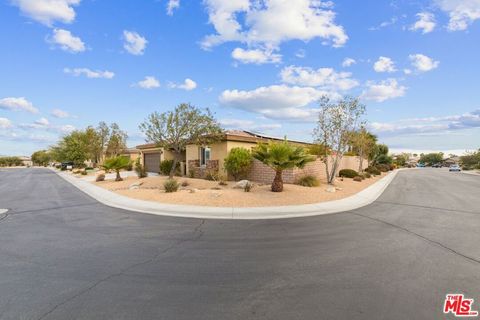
(135, 185)
(331, 189)
(241, 184)
(193, 190)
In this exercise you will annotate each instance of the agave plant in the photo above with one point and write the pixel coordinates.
(281, 156)
(116, 163)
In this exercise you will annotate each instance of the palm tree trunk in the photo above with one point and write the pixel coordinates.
(277, 184)
(118, 178)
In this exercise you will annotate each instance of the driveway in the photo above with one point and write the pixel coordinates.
(65, 256)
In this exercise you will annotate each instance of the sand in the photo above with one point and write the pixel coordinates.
(210, 193)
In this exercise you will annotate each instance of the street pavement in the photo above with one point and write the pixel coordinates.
(65, 256)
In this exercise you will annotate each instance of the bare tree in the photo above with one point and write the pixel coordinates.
(335, 122)
(174, 130)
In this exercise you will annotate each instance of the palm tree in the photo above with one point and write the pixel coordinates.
(116, 163)
(281, 156)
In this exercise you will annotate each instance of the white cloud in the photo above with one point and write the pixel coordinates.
(134, 43)
(57, 113)
(426, 22)
(326, 78)
(94, 74)
(301, 53)
(66, 41)
(42, 122)
(407, 71)
(48, 11)
(429, 125)
(271, 22)
(422, 63)
(66, 128)
(5, 123)
(17, 104)
(348, 62)
(248, 125)
(462, 12)
(149, 82)
(187, 85)
(275, 102)
(384, 24)
(384, 64)
(172, 5)
(384, 90)
(256, 56)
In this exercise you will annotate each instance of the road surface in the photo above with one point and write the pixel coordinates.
(65, 256)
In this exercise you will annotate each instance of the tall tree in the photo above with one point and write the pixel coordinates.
(117, 141)
(103, 132)
(41, 157)
(174, 130)
(362, 143)
(335, 122)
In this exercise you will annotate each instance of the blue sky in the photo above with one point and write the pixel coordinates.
(259, 65)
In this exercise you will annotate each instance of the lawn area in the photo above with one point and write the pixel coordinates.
(210, 193)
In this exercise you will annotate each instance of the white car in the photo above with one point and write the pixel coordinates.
(454, 167)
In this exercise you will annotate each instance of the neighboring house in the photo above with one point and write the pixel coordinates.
(451, 161)
(26, 161)
(151, 155)
(132, 153)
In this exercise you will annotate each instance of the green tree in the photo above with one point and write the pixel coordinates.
(431, 158)
(281, 156)
(362, 143)
(116, 163)
(174, 130)
(471, 160)
(117, 141)
(41, 158)
(238, 162)
(379, 155)
(336, 120)
(72, 147)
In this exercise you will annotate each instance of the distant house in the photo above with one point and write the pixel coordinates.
(451, 161)
(26, 161)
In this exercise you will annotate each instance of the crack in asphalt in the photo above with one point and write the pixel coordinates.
(197, 232)
(436, 243)
(426, 207)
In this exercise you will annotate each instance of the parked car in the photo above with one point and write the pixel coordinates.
(420, 165)
(454, 167)
(66, 165)
(436, 165)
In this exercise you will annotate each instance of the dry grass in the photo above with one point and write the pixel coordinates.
(210, 193)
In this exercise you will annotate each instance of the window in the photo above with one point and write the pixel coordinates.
(204, 155)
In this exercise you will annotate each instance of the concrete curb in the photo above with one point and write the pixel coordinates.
(472, 173)
(361, 199)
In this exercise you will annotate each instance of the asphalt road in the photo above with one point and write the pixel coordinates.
(65, 256)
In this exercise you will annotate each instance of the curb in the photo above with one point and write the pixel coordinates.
(2, 211)
(111, 199)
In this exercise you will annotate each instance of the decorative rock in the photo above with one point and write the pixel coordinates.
(338, 188)
(193, 190)
(135, 185)
(241, 184)
(331, 189)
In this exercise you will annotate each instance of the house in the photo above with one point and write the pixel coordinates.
(451, 161)
(196, 160)
(199, 161)
(26, 161)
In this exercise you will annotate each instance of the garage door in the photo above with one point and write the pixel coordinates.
(152, 162)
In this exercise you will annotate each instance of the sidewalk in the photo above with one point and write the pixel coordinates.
(112, 199)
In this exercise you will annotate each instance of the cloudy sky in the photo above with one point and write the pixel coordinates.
(260, 65)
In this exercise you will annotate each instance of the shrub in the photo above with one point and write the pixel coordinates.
(84, 173)
(223, 181)
(357, 178)
(211, 175)
(238, 162)
(117, 163)
(140, 169)
(367, 175)
(171, 185)
(393, 167)
(308, 181)
(185, 183)
(348, 173)
(383, 167)
(373, 170)
(248, 186)
(166, 166)
(100, 177)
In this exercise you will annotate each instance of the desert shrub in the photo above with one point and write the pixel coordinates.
(367, 175)
(83, 172)
(211, 175)
(248, 186)
(185, 183)
(100, 177)
(191, 173)
(357, 178)
(238, 162)
(393, 167)
(170, 185)
(89, 168)
(383, 167)
(466, 168)
(373, 170)
(166, 166)
(140, 169)
(308, 181)
(348, 173)
(222, 181)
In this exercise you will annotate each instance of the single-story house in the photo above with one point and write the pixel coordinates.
(196, 160)
(26, 161)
